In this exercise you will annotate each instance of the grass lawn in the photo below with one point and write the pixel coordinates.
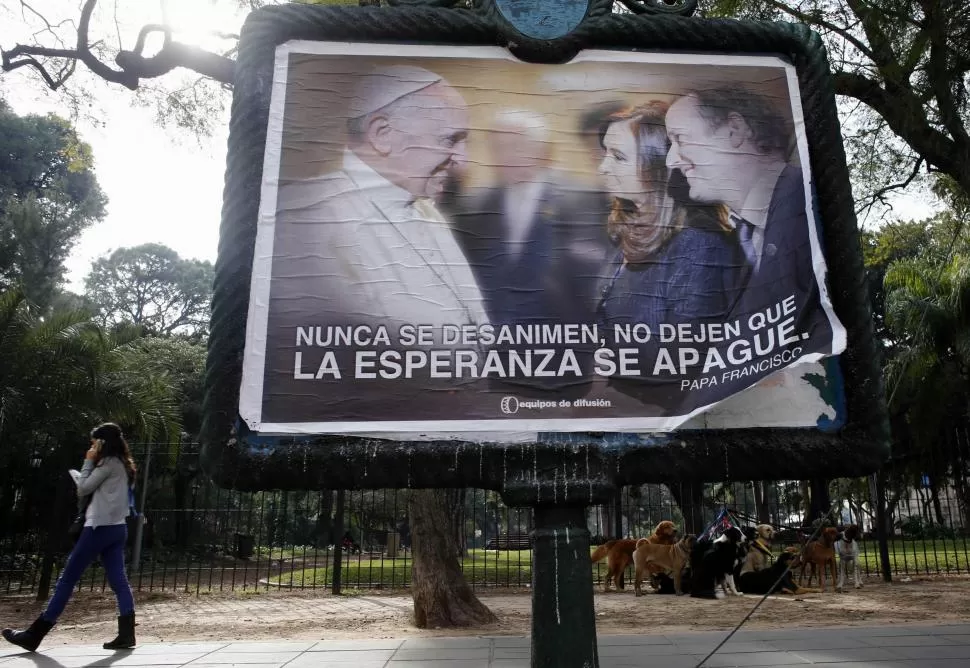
(919, 557)
(507, 569)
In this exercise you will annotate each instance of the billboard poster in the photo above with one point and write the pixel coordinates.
(453, 241)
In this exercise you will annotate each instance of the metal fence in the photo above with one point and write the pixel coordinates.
(197, 537)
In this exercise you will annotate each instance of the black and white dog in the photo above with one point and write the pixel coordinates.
(713, 564)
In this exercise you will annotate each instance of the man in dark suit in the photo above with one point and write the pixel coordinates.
(733, 148)
(536, 245)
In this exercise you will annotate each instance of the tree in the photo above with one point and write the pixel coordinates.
(151, 286)
(442, 596)
(48, 196)
(180, 363)
(906, 62)
(60, 375)
(927, 329)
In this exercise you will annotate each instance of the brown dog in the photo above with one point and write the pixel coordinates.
(619, 553)
(819, 555)
(671, 559)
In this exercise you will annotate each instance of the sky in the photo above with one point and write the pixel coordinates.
(162, 185)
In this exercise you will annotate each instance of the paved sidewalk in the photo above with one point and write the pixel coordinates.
(888, 646)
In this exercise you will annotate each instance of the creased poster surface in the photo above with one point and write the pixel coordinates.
(453, 241)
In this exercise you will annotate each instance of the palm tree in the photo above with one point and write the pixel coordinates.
(928, 377)
(60, 374)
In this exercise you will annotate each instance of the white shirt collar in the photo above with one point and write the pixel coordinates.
(374, 186)
(756, 204)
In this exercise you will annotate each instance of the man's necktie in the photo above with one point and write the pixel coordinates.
(746, 237)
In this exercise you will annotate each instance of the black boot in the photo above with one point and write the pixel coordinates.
(126, 633)
(31, 638)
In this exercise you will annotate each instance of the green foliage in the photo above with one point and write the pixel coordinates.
(915, 526)
(48, 196)
(61, 374)
(480, 568)
(179, 364)
(151, 286)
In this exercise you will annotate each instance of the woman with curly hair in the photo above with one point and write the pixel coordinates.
(107, 477)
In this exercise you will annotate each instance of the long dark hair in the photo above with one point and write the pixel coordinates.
(642, 231)
(113, 444)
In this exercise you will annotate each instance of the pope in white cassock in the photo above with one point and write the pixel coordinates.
(367, 244)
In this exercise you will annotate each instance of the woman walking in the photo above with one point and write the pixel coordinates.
(107, 476)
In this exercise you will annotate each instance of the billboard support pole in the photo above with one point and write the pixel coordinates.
(563, 620)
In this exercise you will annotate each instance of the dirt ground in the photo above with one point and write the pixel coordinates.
(302, 615)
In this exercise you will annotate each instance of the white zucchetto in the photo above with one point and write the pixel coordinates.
(386, 85)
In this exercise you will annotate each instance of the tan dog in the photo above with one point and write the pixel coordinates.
(820, 555)
(759, 552)
(766, 534)
(619, 553)
(671, 559)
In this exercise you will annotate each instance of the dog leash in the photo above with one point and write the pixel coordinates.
(757, 605)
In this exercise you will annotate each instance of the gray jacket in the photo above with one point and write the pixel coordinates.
(107, 483)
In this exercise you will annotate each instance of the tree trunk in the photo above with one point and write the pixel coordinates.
(760, 508)
(180, 491)
(323, 531)
(605, 521)
(690, 497)
(960, 480)
(442, 597)
(806, 494)
(773, 504)
(821, 500)
(937, 506)
(456, 510)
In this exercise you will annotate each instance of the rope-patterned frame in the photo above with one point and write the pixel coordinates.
(542, 472)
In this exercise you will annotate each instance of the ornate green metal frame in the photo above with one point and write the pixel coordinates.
(584, 468)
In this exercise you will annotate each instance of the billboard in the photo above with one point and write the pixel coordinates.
(452, 240)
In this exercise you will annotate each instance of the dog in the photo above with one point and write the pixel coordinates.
(619, 553)
(776, 579)
(713, 564)
(765, 533)
(758, 556)
(671, 558)
(820, 555)
(847, 547)
(664, 584)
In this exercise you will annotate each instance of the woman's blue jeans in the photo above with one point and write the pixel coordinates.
(109, 543)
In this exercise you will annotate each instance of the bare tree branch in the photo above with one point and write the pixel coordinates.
(25, 5)
(147, 30)
(881, 49)
(880, 195)
(177, 54)
(86, 57)
(905, 116)
(937, 71)
(132, 65)
(817, 20)
(28, 61)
